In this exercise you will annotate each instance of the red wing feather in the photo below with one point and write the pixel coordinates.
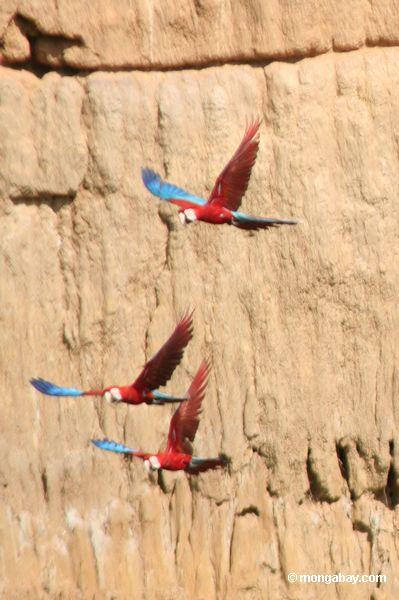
(185, 421)
(183, 203)
(159, 369)
(232, 182)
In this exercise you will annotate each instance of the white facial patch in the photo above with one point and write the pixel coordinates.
(116, 394)
(155, 464)
(190, 214)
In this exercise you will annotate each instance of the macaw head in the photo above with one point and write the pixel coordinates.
(113, 395)
(187, 216)
(152, 464)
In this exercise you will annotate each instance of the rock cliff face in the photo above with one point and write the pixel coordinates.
(301, 323)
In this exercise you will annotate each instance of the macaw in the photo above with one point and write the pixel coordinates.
(183, 427)
(155, 373)
(227, 192)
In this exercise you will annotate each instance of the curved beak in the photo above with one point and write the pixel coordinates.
(182, 218)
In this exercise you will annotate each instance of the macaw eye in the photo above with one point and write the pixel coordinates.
(190, 215)
(154, 462)
(116, 394)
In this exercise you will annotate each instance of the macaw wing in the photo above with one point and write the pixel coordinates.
(159, 369)
(232, 182)
(184, 423)
(111, 446)
(46, 387)
(168, 191)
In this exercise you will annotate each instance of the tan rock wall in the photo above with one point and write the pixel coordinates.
(146, 34)
(301, 323)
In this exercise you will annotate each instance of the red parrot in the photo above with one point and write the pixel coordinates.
(183, 427)
(227, 192)
(156, 373)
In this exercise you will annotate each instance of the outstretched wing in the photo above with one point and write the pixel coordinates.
(111, 446)
(244, 221)
(168, 191)
(46, 387)
(232, 182)
(159, 369)
(184, 423)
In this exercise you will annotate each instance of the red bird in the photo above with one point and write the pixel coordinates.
(227, 192)
(183, 427)
(155, 373)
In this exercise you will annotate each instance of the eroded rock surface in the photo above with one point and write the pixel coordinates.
(122, 34)
(300, 323)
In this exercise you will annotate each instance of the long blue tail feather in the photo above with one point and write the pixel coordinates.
(250, 220)
(197, 464)
(160, 398)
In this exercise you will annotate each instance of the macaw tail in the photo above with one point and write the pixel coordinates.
(244, 221)
(158, 398)
(113, 446)
(197, 465)
(46, 387)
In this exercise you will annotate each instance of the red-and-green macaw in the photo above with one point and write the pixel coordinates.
(156, 373)
(183, 427)
(227, 192)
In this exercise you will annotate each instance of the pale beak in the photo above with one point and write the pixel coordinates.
(182, 218)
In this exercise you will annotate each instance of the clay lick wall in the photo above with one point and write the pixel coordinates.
(301, 324)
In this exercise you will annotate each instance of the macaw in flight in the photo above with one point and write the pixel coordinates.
(183, 427)
(156, 373)
(227, 192)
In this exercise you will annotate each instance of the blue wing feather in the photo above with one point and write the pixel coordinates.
(46, 387)
(113, 446)
(165, 190)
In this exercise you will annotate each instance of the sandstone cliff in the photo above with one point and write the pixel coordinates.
(301, 323)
